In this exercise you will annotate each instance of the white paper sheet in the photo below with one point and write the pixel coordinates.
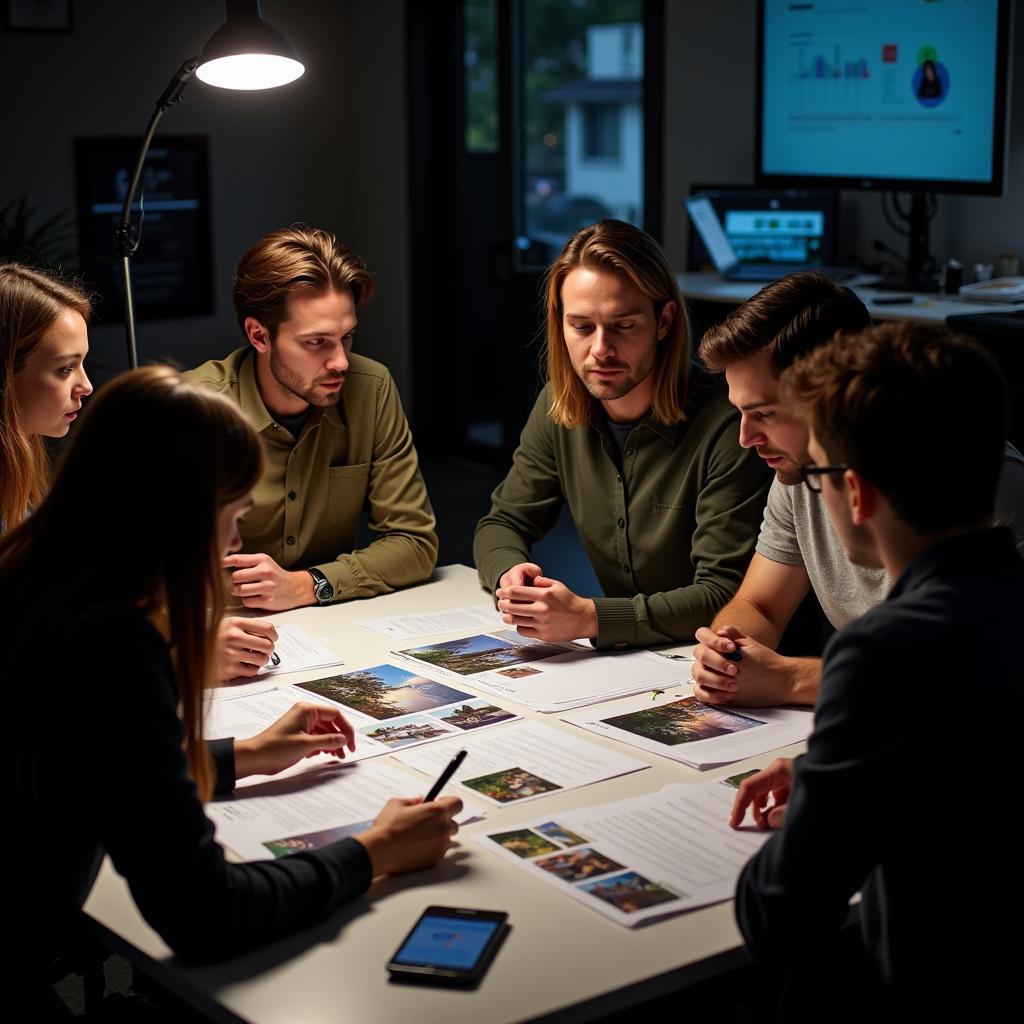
(446, 712)
(637, 859)
(523, 762)
(299, 652)
(272, 818)
(678, 726)
(450, 620)
(544, 677)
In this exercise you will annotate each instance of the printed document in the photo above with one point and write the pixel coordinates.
(298, 652)
(523, 762)
(637, 859)
(697, 734)
(275, 818)
(542, 676)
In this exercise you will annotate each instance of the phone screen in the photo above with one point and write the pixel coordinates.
(449, 942)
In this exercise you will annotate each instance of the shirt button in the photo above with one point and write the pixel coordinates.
(290, 540)
(292, 495)
(618, 478)
(625, 569)
(630, 453)
(622, 522)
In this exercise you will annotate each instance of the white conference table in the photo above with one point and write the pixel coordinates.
(560, 962)
(704, 286)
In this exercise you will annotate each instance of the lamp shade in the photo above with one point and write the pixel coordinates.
(247, 53)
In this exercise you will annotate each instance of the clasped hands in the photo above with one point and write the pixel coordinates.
(543, 608)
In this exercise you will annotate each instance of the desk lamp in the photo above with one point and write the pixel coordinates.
(244, 53)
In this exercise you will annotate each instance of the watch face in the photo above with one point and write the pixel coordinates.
(324, 592)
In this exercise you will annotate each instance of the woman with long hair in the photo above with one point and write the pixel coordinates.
(43, 344)
(109, 598)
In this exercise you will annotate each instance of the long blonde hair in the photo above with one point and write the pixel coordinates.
(30, 302)
(612, 246)
(151, 464)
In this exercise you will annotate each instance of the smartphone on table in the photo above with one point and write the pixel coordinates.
(449, 945)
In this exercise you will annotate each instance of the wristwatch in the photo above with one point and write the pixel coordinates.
(321, 587)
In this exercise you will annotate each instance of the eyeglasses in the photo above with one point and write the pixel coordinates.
(811, 475)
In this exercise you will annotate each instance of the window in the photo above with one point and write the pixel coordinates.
(601, 131)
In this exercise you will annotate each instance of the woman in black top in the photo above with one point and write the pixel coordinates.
(108, 594)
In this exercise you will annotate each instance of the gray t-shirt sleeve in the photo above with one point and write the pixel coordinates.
(1010, 496)
(778, 540)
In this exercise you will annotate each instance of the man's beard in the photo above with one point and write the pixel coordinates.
(295, 385)
(620, 387)
(788, 474)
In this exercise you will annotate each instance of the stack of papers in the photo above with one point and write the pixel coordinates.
(544, 676)
(697, 734)
(638, 859)
(298, 652)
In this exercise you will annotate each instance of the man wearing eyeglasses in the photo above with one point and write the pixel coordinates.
(902, 795)
(798, 548)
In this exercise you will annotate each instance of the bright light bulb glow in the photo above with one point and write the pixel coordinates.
(249, 71)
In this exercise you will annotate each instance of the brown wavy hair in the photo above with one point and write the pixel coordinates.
(286, 259)
(788, 317)
(873, 399)
(30, 302)
(612, 246)
(152, 462)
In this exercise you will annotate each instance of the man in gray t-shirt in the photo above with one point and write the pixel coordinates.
(736, 661)
(797, 530)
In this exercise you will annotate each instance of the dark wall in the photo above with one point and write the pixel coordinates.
(329, 149)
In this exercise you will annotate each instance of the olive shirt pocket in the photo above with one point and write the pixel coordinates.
(347, 493)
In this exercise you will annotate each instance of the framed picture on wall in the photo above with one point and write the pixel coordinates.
(38, 15)
(172, 269)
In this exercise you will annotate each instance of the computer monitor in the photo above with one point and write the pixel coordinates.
(884, 94)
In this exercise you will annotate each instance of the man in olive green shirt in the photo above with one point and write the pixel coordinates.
(645, 453)
(335, 436)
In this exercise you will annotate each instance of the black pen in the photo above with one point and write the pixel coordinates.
(275, 658)
(445, 776)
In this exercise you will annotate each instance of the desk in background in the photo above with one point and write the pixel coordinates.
(561, 961)
(1004, 341)
(709, 287)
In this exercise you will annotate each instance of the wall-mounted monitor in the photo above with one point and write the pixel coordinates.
(907, 95)
(172, 269)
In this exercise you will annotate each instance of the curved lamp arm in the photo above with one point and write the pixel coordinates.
(126, 244)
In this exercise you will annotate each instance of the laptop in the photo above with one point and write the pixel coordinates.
(776, 242)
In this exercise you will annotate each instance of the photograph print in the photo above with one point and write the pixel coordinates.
(560, 834)
(385, 691)
(683, 721)
(523, 843)
(510, 784)
(401, 732)
(472, 714)
(483, 653)
(314, 840)
(629, 892)
(577, 865)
